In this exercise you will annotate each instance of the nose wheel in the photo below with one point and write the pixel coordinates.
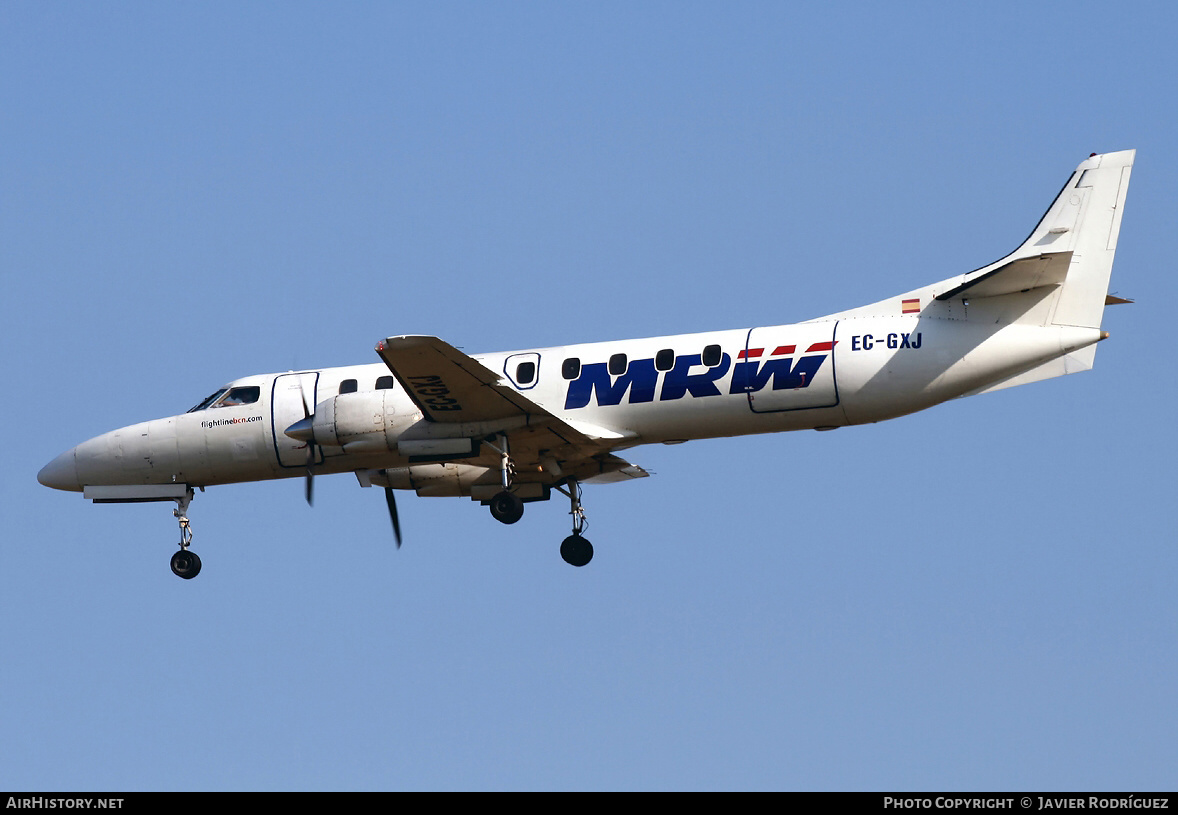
(185, 564)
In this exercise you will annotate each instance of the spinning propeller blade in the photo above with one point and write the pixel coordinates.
(310, 473)
(392, 503)
(307, 413)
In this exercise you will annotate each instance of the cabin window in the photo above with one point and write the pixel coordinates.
(617, 364)
(571, 368)
(525, 373)
(664, 360)
(347, 386)
(384, 383)
(238, 396)
(712, 356)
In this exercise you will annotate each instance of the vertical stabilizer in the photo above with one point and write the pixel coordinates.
(1058, 276)
(1087, 223)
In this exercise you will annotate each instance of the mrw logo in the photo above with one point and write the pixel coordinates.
(779, 370)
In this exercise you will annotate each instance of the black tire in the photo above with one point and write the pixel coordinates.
(186, 564)
(506, 507)
(576, 551)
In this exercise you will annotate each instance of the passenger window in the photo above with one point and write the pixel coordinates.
(384, 383)
(617, 364)
(525, 373)
(712, 356)
(664, 360)
(347, 386)
(571, 368)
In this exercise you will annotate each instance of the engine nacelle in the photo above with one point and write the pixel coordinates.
(434, 480)
(360, 422)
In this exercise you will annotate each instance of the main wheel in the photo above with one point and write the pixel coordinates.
(186, 564)
(576, 551)
(506, 507)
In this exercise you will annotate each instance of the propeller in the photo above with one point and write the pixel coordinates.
(307, 418)
(392, 504)
(304, 430)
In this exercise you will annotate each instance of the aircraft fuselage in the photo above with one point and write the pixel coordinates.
(815, 375)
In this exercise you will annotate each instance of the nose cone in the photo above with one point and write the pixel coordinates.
(61, 473)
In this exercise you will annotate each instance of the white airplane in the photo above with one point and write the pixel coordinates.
(509, 428)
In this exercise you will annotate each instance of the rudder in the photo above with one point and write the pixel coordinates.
(1085, 220)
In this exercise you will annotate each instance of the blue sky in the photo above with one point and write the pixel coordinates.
(980, 596)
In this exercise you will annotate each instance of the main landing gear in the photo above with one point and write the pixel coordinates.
(507, 507)
(185, 564)
(576, 550)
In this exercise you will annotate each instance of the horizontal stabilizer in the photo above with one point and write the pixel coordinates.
(1048, 269)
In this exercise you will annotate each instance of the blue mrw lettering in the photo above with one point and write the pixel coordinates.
(641, 379)
(748, 378)
(678, 381)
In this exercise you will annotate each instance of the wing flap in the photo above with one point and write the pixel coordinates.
(610, 470)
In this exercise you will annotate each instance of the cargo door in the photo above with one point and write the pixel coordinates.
(788, 367)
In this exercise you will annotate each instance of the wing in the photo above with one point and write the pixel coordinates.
(461, 399)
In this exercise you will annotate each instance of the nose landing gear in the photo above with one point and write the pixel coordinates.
(185, 564)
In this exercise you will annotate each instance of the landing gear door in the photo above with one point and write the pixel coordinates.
(291, 392)
(789, 367)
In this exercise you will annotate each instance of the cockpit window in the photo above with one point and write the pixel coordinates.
(238, 396)
(230, 397)
(208, 401)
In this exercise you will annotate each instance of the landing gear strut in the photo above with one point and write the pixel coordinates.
(185, 564)
(576, 550)
(506, 506)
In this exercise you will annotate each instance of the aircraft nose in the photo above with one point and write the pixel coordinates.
(61, 473)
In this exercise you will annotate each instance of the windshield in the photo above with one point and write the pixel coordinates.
(230, 397)
(208, 401)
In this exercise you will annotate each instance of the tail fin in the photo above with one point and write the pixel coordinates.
(1071, 248)
(1058, 277)
(1060, 274)
(1099, 190)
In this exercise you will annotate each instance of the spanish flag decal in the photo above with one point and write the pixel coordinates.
(910, 306)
